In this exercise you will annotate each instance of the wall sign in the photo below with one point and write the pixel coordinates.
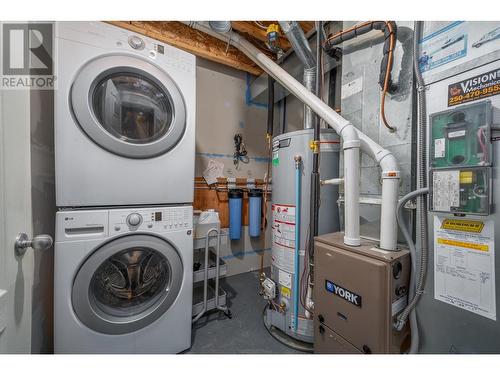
(474, 88)
(464, 264)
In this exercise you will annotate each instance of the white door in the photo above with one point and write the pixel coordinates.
(16, 272)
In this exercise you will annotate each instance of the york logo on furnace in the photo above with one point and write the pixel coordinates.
(343, 293)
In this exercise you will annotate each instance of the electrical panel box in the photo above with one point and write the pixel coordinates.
(460, 137)
(359, 292)
(460, 158)
(461, 191)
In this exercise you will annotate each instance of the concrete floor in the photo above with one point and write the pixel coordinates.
(245, 333)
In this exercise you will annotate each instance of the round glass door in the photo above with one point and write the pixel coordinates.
(132, 108)
(127, 284)
(128, 106)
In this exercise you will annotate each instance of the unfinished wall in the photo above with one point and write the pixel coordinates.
(224, 109)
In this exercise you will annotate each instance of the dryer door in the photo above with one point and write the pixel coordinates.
(127, 283)
(128, 106)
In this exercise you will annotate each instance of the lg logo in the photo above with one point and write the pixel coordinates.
(27, 49)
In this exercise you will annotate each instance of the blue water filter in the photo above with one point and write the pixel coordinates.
(235, 203)
(255, 209)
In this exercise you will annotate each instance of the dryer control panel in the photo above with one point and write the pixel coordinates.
(160, 219)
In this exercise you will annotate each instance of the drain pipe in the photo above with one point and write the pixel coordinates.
(349, 134)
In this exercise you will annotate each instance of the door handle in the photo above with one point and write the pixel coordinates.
(39, 243)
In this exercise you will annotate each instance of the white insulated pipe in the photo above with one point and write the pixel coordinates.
(390, 190)
(333, 181)
(353, 140)
(351, 191)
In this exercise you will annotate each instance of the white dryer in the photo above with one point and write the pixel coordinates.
(123, 280)
(124, 118)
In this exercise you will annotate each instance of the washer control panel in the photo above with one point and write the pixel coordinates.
(161, 219)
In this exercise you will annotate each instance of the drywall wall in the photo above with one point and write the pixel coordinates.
(223, 109)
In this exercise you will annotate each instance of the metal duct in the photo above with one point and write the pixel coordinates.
(220, 26)
(299, 42)
(309, 81)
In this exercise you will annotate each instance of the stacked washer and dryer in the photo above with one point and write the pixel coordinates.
(124, 143)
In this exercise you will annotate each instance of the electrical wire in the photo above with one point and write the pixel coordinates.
(240, 153)
(417, 285)
(482, 142)
(305, 277)
(387, 76)
(260, 25)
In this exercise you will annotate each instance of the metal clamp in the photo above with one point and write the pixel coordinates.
(39, 243)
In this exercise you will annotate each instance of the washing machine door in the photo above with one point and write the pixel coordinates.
(128, 106)
(127, 283)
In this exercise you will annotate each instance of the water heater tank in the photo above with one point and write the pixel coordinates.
(284, 221)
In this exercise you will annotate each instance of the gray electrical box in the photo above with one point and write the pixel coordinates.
(358, 294)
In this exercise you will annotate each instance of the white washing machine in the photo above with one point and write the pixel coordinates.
(123, 280)
(124, 118)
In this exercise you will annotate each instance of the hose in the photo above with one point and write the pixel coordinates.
(417, 285)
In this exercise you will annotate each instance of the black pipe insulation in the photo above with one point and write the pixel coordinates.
(389, 28)
(270, 106)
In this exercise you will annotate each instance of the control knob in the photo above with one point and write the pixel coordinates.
(136, 43)
(134, 219)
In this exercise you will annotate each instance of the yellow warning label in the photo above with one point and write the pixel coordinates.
(468, 245)
(473, 226)
(285, 292)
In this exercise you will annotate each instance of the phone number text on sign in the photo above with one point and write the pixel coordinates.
(475, 88)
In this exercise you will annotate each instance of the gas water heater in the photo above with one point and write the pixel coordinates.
(286, 289)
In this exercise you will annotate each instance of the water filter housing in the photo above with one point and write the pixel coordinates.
(255, 211)
(284, 223)
(235, 206)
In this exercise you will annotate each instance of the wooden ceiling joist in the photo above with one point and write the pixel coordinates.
(258, 33)
(184, 37)
(200, 44)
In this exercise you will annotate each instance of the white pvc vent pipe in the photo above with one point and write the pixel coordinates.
(353, 140)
